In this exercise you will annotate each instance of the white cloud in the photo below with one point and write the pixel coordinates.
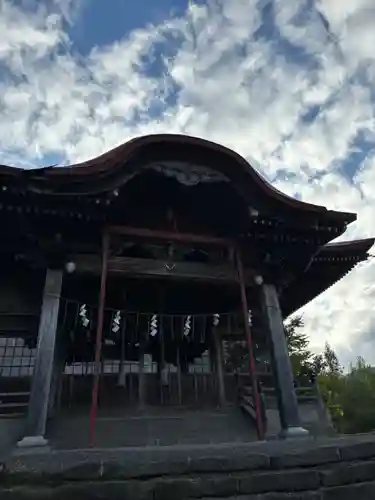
(225, 76)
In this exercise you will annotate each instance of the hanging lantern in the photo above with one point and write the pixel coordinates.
(216, 319)
(154, 325)
(83, 315)
(187, 326)
(116, 322)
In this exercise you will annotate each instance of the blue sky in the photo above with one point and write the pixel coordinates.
(286, 83)
(121, 17)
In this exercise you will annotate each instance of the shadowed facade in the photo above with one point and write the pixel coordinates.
(129, 278)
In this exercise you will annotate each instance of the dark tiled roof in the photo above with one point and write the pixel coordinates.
(108, 170)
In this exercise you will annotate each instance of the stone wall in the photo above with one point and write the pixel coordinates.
(341, 468)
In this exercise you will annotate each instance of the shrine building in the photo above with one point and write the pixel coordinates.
(128, 281)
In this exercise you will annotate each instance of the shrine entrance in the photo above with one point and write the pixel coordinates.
(155, 339)
(148, 359)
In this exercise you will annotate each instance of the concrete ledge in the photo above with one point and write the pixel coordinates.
(188, 488)
(37, 460)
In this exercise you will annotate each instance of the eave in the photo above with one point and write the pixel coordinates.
(333, 262)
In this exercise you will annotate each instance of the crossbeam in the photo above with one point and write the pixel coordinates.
(138, 267)
(151, 234)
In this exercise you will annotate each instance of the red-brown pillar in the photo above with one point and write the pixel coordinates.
(245, 310)
(99, 335)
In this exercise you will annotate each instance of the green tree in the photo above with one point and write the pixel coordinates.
(331, 363)
(357, 399)
(324, 366)
(298, 345)
(349, 397)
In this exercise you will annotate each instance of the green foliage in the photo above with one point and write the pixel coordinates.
(330, 385)
(350, 397)
(298, 346)
(357, 399)
(331, 363)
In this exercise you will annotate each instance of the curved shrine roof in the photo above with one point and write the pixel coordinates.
(111, 169)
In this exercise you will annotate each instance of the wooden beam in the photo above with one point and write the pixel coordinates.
(151, 268)
(169, 236)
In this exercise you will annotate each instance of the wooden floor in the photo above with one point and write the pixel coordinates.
(156, 427)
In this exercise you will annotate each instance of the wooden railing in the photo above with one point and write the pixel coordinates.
(247, 404)
(305, 394)
(13, 404)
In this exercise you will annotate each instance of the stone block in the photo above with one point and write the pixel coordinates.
(122, 469)
(348, 473)
(24, 493)
(197, 487)
(307, 495)
(287, 481)
(313, 457)
(127, 469)
(230, 463)
(136, 490)
(358, 451)
(361, 491)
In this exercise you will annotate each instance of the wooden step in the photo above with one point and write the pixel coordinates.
(13, 403)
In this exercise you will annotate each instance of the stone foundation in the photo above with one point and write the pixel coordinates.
(341, 468)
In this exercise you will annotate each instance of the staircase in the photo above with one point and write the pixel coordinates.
(313, 414)
(153, 427)
(13, 404)
(18, 333)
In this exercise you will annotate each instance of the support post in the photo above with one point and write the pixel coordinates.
(121, 382)
(179, 381)
(141, 378)
(99, 336)
(44, 362)
(288, 405)
(58, 369)
(219, 366)
(254, 381)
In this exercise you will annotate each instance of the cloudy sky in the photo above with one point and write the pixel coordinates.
(288, 83)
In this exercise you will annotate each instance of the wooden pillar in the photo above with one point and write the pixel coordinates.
(57, 374)
(44, 362)
(288, 405)
(99, 336)
(219, 363)
(121, 382)
(179, 378)
(141, 378)
(250, 346)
